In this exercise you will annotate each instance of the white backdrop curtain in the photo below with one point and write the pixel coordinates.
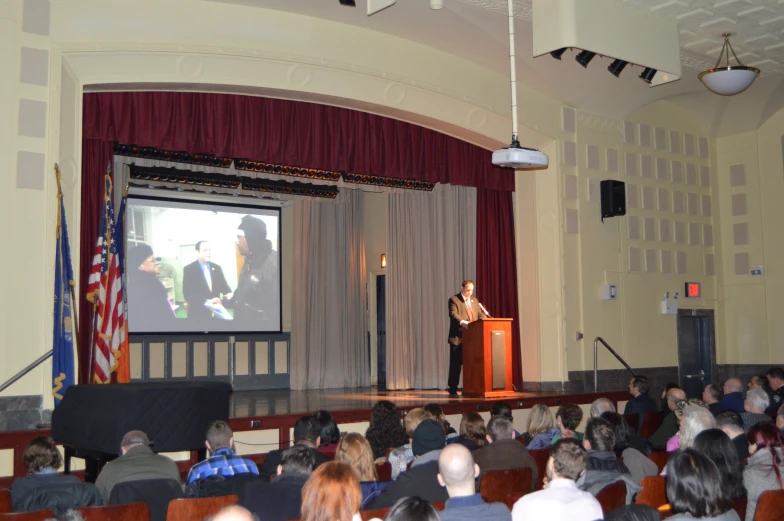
(329, 346)
(431, 249)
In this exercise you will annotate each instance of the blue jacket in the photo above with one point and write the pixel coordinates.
(543, 439)
(733, 402)
(473, 508)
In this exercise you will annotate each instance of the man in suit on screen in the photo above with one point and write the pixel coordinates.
(463, 309)
(203, 282)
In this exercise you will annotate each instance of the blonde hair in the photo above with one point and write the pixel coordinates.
(414, 418)
(540, 419)
(355, 450)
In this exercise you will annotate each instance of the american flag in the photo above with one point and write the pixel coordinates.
(106, 289)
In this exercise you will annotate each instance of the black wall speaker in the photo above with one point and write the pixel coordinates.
(613, 198)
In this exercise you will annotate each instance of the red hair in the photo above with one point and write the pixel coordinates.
(767, 436)
(331, 493)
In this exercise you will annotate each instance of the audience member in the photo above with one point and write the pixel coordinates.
(281, 499)
(694, 489)
(503, 409)
(674, 443)
(503, 452)
(540, 428)
(440, 418)
(755, 405)
(765, 466)
(412, 509)
(457, 472)
(561, 500)
(780, 419)
(355, 450)
(601, 406)
(567, 419)
(733, 396)
(232, 513)
(695, 419)
(669, 426)
(775, 378)
(473, 432)
(667, 388)
(712, 396)
(306, 434)
(403, 455)
(636, 461)
(716, 445)
(732, 425)
(385, 431)
(422, 478)
(331, 493)
(759, 382)
(222, 461)
(42, 460)
(328, 432)
(640, 403)
(136, 462)
(598, 442)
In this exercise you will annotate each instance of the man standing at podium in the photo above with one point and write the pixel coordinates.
(463, 309)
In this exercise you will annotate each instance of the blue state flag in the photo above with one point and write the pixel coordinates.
(63, 348)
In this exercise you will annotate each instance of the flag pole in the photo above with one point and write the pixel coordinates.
(71, 284)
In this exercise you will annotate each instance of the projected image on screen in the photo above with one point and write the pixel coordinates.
(201, 267)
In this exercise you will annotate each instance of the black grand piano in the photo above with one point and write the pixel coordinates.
(92, 419)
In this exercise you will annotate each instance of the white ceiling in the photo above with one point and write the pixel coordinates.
(476, 30)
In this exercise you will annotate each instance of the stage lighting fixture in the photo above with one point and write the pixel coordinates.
(558, 53)
(648, 74)
(616, 67)
(585, 57)
(350, 3)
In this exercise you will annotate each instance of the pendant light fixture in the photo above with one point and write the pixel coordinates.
(728, 80)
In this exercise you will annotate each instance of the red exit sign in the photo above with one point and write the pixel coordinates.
(693, 290)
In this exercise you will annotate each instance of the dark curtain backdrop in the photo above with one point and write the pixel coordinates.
(305, 135)
(96, 154)
(496, 265)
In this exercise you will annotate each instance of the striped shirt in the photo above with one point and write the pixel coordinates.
(223, 462)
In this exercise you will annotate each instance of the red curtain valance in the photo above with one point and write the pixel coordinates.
(289, 132)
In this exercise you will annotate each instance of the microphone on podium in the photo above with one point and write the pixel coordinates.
(483, 309)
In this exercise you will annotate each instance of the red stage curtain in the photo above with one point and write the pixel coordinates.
(96, 154)
(289, 132)
(496, 265)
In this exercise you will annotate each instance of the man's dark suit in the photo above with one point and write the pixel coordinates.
(458, 311)
(279, 500)
(273, 459)
(419, 480)
(195, 289)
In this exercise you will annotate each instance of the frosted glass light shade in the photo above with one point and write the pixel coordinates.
(728, 81)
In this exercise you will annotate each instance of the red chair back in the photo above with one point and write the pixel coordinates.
(654, 491)
(633, 420)
(612, 496)
(511, 499)
(660, 458)
(367, 515)
(739, 506)
(497, 485)
(198, 508)
(127, 512)
(38, 515)
(770, 506)
(5, 501)
(651, 423)
(540, 456)
(384, 471)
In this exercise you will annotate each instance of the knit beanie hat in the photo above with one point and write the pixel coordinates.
(428, 436)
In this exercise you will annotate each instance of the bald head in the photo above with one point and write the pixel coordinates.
(233, 513)
(457, 470)
(733, 385)
(601, 406)
(674, 396)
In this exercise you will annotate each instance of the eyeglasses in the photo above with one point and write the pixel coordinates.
(153, 259)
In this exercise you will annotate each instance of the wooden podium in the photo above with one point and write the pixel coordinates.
(487, 358)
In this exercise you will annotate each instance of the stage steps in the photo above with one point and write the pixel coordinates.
(23, 413)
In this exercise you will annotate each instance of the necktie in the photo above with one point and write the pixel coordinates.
(470, 312)
(207, 276)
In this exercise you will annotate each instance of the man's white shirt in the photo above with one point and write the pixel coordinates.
(560, 501)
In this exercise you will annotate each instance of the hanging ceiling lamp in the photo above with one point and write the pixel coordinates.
(730, 79)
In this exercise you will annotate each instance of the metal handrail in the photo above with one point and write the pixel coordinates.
(24, 371)
(596, 360)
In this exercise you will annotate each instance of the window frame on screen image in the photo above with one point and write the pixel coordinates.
(195, 204)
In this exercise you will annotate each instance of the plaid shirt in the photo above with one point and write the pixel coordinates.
(223, 462)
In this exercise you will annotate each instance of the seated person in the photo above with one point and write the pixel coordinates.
(733, 396)
(694, 489)
(457, 472)
(540, 428)
(669, 425)
(355, 450)
(732, 425)
(640, 403)
(281, 499)
(601, 406)
(757, 401)
(503, 409)
(561, 500)
(503, 451)
(716, 445)
(567, 419)
(233, 513)
(765, 468)
(403, 455)
(136, 462)
(638, 463)
(695, 418)
(222, 460)
(712, 396)
(599, 442)
(385, 430)
(42, 460)
(306, 434)
(438, 415)
(329, 432)
(411, 509)
(331, 493)
(472, 431)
